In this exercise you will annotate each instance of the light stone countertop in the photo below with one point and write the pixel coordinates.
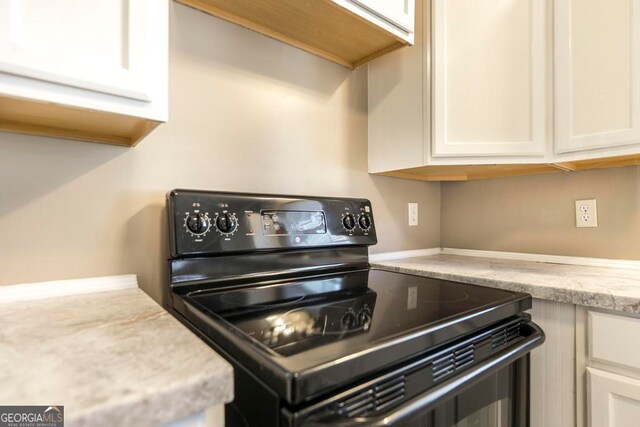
(609, 288)
(112, 358)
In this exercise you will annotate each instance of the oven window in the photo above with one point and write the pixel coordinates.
(495, 414)
(489, 403)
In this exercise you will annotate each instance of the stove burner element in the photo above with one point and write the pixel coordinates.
(311, 320)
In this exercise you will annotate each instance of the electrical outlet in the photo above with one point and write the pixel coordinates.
(586, 213)
(413, 214)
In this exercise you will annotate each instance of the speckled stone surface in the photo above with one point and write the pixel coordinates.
(111, 358)
(610, 288)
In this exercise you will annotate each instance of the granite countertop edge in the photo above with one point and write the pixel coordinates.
(192, 396)
(114, 357)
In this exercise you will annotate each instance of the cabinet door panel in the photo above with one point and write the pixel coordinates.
(614, 339)
(613, 400)
(597, 72)
(489, 77)
(99, 45)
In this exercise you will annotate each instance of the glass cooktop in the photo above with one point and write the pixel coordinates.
(359, 309)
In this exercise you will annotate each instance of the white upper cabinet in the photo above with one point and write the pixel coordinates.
(399, 12)
(501, 94)
(394, 16)
(396, 93)
(597, 74)
(94, 45)
(488, 78)
(95, 55)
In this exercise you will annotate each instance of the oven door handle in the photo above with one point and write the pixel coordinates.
(431, 398)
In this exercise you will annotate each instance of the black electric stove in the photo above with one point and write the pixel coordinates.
(281, 286)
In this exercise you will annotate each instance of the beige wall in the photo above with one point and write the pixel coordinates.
(247, 113)
(251, 114)
(536, 214)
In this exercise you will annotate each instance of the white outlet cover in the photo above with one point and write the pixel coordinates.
(586, 213)
(413, 214)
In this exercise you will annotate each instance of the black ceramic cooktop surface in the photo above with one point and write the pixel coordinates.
(358, 310)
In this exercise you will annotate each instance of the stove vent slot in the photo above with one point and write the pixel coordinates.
(452, 362)
(378, 397)
(505, 335)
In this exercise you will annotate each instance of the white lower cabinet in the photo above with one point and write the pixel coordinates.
(612, 400)
(607, 369)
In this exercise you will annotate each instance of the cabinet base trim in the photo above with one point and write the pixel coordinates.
(321, 28)
(476, 172)
(30, 117)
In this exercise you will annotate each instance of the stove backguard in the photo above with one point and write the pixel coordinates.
(204, 223)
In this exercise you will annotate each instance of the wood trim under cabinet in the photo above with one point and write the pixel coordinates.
(607, 162)
(488, 171)
(30, 117)
(317, 27)
(469, 172)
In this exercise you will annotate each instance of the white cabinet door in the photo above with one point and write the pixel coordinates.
(103, 46)
(97, 44)
(398, 12)
(597, 74)
(613, 400)
(489, 81)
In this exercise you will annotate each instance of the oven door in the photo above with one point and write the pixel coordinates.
(493, 393)
(500, 400)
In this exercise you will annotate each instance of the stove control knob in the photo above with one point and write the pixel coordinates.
(226, 223)
(364, 316)
(198, 223)
(364, 221)
(349, 320)
(349, 222)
